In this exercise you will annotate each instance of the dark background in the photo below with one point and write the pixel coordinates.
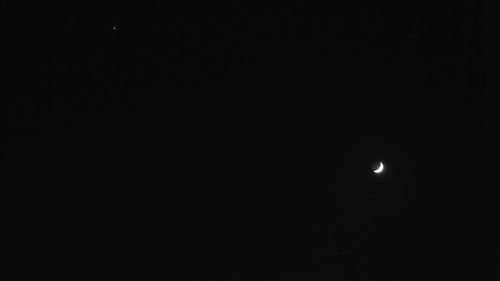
(236, 141)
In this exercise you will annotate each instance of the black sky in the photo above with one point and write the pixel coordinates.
(235, 141)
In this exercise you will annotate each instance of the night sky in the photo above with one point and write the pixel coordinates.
(216, 141)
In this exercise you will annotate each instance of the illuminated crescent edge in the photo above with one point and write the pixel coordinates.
(380, 168)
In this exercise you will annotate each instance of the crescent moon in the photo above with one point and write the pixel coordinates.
(379, 169)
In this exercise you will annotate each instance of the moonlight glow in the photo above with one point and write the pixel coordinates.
(379, 169)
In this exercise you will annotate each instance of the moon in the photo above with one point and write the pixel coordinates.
(379, 169)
